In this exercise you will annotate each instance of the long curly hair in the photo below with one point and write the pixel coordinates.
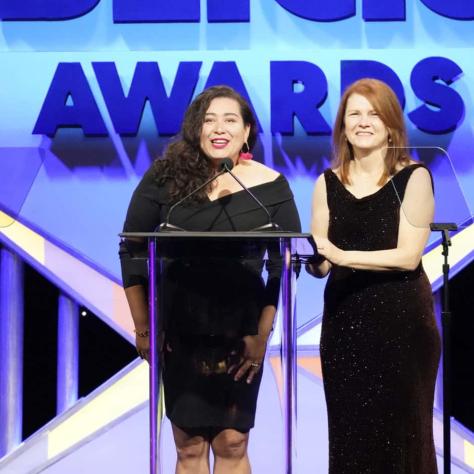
(184, 165)
(386, 104)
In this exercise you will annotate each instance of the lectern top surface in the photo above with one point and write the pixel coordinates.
(224, 235)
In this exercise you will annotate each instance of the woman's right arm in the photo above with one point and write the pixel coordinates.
(319, 226)
(134, 277)
(143, 215)
(137, 301)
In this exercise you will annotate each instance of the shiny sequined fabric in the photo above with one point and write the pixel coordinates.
(380, 345)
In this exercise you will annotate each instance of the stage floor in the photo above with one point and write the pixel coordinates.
(79, 441)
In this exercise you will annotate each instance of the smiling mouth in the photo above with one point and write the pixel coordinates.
(219, 142)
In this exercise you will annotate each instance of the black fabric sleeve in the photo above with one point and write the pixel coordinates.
(287, 217)
(145, 208)
(133, 263)
(143, 215)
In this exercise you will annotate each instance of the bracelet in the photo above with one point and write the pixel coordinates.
(144, 333)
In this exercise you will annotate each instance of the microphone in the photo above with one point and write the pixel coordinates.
(224, 166)
(227, 164)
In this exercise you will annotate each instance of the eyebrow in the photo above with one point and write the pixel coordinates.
(227, 113)
(358, 110)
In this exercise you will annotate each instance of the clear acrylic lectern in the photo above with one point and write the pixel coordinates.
(165, 246)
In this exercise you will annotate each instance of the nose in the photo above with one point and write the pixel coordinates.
(219, 127)
(364, 121)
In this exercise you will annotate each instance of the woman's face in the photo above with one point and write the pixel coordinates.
(363, 126)
(223, 130)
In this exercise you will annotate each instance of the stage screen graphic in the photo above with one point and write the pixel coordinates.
(91, 92)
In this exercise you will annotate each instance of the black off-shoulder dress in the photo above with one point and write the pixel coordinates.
(380, 346)
(211, 302)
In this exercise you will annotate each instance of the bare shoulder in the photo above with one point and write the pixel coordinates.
(421, 171)
(320, 188)
(420, 185)
(320, 182)
(260, 172)
(420, 175)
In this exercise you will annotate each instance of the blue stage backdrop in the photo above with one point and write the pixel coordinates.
(91, 91)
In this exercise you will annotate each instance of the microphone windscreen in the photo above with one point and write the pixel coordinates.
(227, 164)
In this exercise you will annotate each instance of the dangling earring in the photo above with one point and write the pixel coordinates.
(245, 155)
(389, 139)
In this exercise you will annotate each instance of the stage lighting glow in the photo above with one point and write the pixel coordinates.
(469, 453)
(23, 237)
(5, 220)
(116, 400)
(105, 297)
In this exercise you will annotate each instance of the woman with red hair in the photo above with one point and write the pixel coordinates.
(380, 345)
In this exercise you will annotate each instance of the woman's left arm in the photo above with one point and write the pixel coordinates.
(416, 214)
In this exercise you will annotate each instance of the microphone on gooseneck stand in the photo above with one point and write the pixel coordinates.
(227, 165)
(166, 224)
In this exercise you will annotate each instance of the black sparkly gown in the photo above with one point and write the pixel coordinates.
(380, 345)
(211, 302)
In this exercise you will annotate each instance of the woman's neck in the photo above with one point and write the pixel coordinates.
(370, 163)
(217, 164)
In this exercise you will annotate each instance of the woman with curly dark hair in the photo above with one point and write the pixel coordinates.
(219, 315)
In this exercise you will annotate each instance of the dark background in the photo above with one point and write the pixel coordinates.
(102, 352)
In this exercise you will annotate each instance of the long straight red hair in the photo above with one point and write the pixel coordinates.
(386, 104)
